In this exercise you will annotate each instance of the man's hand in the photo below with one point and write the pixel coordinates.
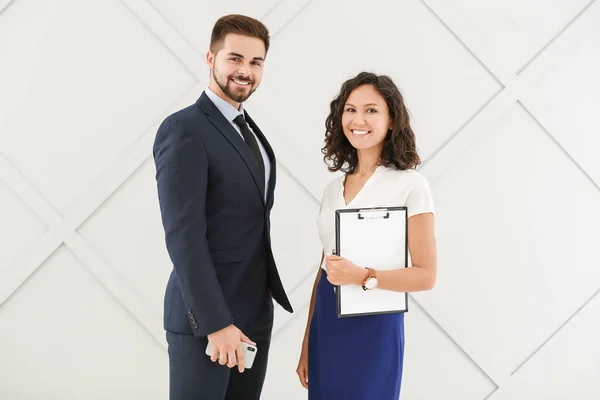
(227, 347)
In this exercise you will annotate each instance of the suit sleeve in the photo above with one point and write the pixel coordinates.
(182, 179)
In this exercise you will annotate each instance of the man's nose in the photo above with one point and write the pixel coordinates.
(243, 70)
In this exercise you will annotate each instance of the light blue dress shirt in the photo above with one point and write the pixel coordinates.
(229, 112)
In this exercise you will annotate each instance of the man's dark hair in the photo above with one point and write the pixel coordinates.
(241, 25)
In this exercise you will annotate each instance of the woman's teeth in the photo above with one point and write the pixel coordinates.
(359, 133)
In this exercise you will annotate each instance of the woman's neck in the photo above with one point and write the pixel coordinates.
(368, 161)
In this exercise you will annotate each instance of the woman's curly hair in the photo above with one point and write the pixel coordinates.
(399, 147)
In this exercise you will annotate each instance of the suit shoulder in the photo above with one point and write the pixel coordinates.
(180, 127)
(189, 115)
(182, 122)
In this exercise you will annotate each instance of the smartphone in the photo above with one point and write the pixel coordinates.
(249, 353)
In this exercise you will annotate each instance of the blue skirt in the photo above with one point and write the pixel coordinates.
(353, 358)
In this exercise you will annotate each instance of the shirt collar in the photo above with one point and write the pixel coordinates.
(226, 109)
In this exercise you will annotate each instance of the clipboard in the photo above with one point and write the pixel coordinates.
(375, 237)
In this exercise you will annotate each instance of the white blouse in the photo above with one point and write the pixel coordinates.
(387, 187)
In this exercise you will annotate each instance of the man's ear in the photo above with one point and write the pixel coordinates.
(210, 59)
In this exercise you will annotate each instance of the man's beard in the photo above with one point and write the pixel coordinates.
(238, 97)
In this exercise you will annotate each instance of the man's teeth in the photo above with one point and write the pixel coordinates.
(240, 82)
(359, 132)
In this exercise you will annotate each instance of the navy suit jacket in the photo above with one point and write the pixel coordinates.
(216, 222)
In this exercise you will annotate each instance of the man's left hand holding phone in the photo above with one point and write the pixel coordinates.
(226, 347)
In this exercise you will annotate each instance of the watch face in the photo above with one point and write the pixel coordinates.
(371, 283)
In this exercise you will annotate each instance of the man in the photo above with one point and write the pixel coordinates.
(215, 173)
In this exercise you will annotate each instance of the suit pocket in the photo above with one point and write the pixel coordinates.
(226, 256)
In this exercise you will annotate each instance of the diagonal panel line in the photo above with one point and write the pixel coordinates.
(4, 4)
(494, 73)
(123, 168)
(167, 35)
(300, 184)
(279, 16)
(62, 230)
(560, 47)
(85, 206)
(114, 284)
(270, 10)
(456, 344)
(32, 197)
(463, 126)
(477, 128)
(299, 298)
(14, 277)
(556, 36)
(513, 84)
(278, 329)
(555, 332)
(565, 152)
(489, 396)
(506, 387)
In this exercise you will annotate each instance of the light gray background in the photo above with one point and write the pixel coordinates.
(504, 100)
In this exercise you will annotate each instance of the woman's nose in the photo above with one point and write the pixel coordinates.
(359, 119)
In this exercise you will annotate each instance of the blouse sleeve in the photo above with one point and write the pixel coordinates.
(420, 198)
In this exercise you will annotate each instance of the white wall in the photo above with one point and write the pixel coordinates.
(504, 99)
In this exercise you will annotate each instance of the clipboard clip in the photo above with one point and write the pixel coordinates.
(374, 214)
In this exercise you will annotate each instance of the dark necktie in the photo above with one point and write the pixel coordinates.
(252, 144)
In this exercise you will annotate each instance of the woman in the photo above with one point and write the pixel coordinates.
(369, 138)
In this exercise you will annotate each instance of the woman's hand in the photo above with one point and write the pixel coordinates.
(341, 271)
(302, 369)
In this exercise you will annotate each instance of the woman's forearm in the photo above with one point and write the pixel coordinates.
(413, 279)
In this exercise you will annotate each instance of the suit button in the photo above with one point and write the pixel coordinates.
(190, 311)
(193, 320)
(195, 325)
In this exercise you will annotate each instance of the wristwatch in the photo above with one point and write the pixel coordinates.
(371, 282)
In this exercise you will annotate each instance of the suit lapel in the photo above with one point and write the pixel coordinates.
(227, 130)
(270, 154)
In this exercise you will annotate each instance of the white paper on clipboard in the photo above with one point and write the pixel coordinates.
(374, 238)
